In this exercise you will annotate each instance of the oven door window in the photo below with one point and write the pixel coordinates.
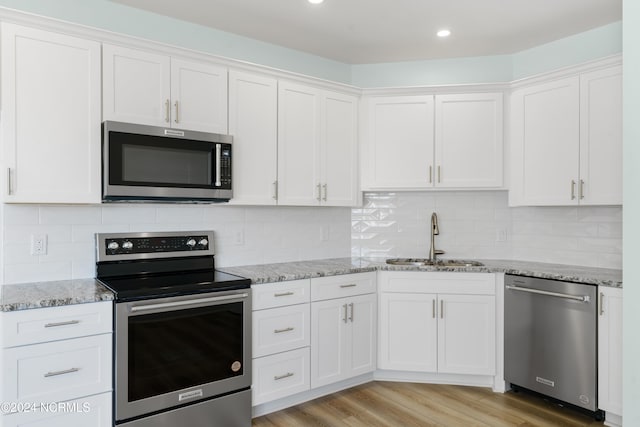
(143, 160)
(174, 350)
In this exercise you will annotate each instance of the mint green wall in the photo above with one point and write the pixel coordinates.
(631, 222)
(115, 17)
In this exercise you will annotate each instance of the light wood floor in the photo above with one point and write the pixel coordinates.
(392, 404)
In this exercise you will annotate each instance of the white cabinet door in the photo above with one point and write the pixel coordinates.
(298, 145)
(545, 143)
(51, 117)
(468, 140)
(400, 142)
(328, 339)
(408, 332)
(136, 86)
(253, 123)
(361, 346)
(601, 137)
(610, 350)
(198, 96)
(467, 334)
(339, 150)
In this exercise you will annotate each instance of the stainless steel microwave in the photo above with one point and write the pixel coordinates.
(149, 163)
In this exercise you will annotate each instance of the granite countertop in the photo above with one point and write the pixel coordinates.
(67, 292)
(266, 273)
(23, 296)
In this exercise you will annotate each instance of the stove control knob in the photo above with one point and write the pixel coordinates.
(127, 245)
(203, 242)
(191, 243)
(113, 246)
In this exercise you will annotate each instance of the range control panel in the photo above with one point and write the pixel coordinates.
(119, 246)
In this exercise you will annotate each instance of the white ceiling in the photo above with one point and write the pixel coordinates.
(374, 31)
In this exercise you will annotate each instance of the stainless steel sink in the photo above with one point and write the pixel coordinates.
(427, 262)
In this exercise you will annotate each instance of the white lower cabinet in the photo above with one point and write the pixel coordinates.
(343, 330)
(610, 351)
(281, 337)
(441, 323)
(57, 366)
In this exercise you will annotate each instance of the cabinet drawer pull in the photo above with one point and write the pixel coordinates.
(350, 285)
(177, 113)
(167, 110)
(573, 190)
(439, 180)
(433, 308)
(351, 317)
(344, 319)
(281, 377)
(442, 309)
(283, 294)
(56, 373)
(430, 174)
(318, 188)
(55, 324)
(8, 181)
(581, 189)
(601, 304)
(279, 331)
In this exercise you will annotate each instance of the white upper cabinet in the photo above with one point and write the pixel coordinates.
(253, 123)
(567, 141)
(51, 117)
(601, 137)
(442, 141)
(317, 147)
(468, 140)
(153, 89)
(399, 143)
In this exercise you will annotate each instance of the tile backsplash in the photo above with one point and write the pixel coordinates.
(243, 235)
(480, 224)
(476, 224)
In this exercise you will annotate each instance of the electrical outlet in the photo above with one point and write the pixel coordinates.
(501, 235)
(38, 244)
(239, 237)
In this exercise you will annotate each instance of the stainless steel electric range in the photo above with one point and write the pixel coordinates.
(182, 331)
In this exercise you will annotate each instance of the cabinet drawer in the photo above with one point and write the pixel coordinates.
(280, 329)
(94, 411)
(271, 295)
(280, 375)
(55, 323)
(437, 283)
(342, 286)
(57, 371)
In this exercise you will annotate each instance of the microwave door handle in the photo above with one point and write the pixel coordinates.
(218, 154)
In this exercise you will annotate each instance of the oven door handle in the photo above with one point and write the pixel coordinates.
(183, 303)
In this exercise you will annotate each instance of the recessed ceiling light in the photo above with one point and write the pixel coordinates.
(441, 33)
(315, 1)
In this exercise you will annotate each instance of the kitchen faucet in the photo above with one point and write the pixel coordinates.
(435, 230)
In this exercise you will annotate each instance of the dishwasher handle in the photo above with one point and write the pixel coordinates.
(581, 298)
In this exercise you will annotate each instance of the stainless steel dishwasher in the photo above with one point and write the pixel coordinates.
(551, 339)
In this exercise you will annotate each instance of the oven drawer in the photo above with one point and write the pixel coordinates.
(56, 323)
(280, 329)
(342, 286)
(57, 371)
(280, 375)
(94, 411)
(270, 295)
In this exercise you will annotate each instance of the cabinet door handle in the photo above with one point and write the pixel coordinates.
(581, 189)
(442, 309)
(430, 174)
(177, 119)
(439, 175)
(573, 190)
(280, 331)
(319, 197)
(601, 301)
(56, 373)
(433, 308)
(167, 111)
(344, 319)
(283, 376)
(283, 294)
(54, 324)
(324, 192)
(351, 317)
(275, 190)
(8, 181)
